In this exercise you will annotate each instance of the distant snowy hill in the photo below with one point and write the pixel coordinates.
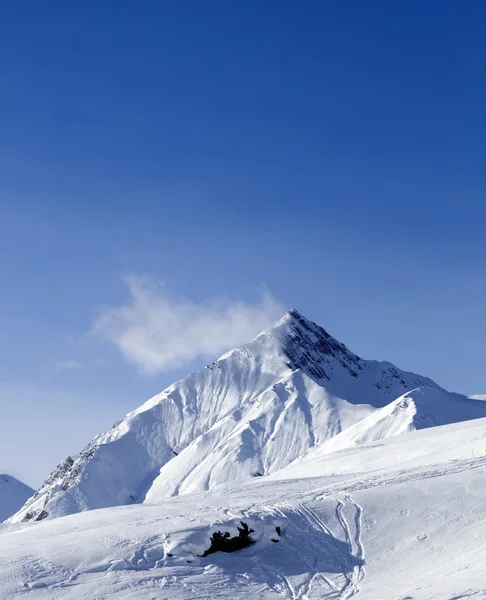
(291, 391)
(13, 495)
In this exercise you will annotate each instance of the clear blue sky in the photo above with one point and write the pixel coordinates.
(330, 152)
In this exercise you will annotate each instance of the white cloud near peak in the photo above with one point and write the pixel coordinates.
(159, 332)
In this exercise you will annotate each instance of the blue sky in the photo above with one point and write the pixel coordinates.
(329, 155)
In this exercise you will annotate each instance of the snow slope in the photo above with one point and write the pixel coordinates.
(254, 411)
(13, 495)
(417, 409)
(398, 519)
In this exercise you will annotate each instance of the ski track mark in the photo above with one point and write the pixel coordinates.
(345, 527)
(358, 520)
(353, 574)
(277, 582)
(285, 510)
(319, 525)
(354, 544)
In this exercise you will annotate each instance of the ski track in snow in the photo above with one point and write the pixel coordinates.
(351, 573)
(360, 553)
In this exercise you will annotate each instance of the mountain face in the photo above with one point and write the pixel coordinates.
(293, 390)
(13, 495)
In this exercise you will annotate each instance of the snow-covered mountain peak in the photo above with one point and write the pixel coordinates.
(310, 348)
(252, 412)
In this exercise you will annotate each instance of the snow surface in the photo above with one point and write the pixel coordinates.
(13, 495)
(401, 518)
(251, 413)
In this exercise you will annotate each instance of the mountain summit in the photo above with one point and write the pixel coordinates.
(251, 413)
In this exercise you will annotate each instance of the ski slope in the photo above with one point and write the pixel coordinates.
(401, 518)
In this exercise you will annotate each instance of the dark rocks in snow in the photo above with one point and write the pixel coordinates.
(66, 474)
(279, 532)
(309, 348)
(59, 473)
(214, 365)
(390, 377)
(222, 542)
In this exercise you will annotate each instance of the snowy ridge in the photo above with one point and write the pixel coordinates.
(254, 411)
(417, 409)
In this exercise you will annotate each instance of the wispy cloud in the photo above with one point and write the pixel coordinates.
(158, 332)
(67, 365)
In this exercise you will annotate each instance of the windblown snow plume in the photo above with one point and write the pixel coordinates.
(159, 332)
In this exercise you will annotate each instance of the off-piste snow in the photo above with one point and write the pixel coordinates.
(289, 468)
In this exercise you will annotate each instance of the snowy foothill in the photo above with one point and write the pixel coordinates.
(289, 468)
(13, 495)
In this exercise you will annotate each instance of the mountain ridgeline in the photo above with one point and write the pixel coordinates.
(292, 391)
